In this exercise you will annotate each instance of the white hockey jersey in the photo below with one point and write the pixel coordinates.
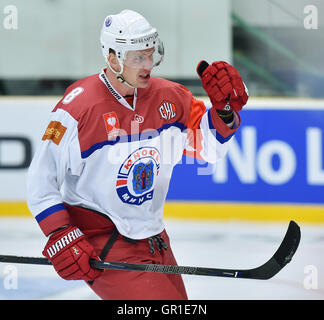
(102, 153)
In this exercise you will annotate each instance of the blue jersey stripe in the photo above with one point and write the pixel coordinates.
(218, 136)
(47, 212)
(131, 138)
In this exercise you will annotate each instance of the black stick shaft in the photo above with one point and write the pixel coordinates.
(24, 260)
(281, 257)
(158, 268)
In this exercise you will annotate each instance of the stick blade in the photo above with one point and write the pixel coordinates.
(289, 245)
(281, 257)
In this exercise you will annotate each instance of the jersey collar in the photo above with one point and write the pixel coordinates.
(115, 94)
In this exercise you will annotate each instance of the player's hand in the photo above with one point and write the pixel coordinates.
(223, 84)
(69, 252)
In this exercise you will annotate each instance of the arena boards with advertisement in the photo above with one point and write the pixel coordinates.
(276, 159)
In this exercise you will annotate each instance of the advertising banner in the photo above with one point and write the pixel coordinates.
(275, 160)
(276, 156)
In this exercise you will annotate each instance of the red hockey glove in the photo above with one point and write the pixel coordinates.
(223, 84)
(69, 252)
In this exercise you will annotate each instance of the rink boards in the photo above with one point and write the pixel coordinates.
(274, 169)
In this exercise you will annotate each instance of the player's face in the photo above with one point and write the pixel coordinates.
(138, 66)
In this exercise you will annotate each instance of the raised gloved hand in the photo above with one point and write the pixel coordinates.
(223, 84)
(69, 252)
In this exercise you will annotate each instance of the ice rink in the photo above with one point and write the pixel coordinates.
(195, 243)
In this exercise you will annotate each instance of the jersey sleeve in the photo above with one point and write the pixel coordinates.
(58, 153)
(208, 136)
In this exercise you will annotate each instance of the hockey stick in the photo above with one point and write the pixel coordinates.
(281, 257)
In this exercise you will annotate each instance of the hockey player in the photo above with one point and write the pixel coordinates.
(98, 181)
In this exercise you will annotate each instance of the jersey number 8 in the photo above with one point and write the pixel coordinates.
(75, 92)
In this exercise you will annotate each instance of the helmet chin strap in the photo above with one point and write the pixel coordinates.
(119, 75)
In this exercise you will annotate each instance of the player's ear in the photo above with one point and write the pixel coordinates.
(113, 61)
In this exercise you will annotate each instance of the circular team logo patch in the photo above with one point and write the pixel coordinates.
(108, 22)
(136, 176)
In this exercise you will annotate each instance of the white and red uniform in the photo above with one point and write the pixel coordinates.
(115, 159)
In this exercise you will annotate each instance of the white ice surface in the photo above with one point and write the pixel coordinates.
(206, 244)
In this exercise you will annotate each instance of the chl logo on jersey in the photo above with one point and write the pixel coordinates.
(135, 179)
(167, 110)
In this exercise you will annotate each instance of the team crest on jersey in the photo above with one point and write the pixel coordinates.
(112, 125)
(167, 110)
(135, 179)
(142, 177)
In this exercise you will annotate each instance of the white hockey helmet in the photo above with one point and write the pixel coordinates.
(129, 31)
